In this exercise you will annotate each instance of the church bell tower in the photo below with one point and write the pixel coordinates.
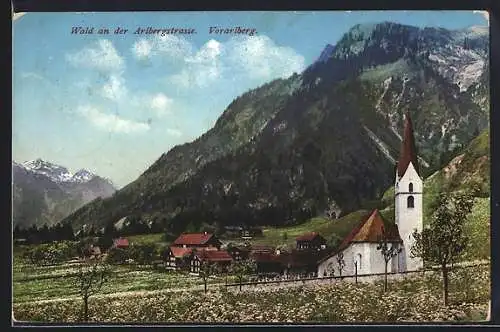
(408, 198)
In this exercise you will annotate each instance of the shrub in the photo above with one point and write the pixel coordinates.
(117, 256)
(52, 253)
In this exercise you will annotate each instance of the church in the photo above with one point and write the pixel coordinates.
(359, 247)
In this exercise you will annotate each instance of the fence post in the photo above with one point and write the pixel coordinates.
(356, 272)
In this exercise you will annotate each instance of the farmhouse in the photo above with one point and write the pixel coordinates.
(238, 253)
(310, 241)
(359, 249)
(120, 243)
(177, 257)
(261, 248)
(197, 240)
(244, 232)
(221, 258)
(268, 262)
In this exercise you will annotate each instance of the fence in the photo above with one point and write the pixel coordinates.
(363, 278)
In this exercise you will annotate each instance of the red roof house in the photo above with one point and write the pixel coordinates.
(200, 240)
(219, 257)
(120, 243)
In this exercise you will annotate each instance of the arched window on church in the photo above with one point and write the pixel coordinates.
(359, 262)
(410, 202)
(410, 187)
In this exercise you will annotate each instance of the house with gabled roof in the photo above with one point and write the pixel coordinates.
(197, 240)
(221, 258)
(121, 243)
(311, 240)
(359, 248)
(177, 257)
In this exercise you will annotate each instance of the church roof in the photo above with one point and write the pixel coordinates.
(408, 151)
(373, 229)
(370, 229)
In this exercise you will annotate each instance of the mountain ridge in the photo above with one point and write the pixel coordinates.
(44, 192)
(329, 134)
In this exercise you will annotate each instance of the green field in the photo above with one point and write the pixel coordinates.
(332, 230)
(155, 238)
(416, 298)
(33, 283)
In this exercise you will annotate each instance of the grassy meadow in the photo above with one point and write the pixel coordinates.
(413, 299)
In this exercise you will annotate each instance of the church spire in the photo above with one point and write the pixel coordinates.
(408, 150)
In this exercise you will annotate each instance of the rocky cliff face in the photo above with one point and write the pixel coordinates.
(279, 153)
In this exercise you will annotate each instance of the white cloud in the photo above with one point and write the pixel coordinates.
(111, 122)
(203, 67)
(174, 132)
(142, 48)
(208, 53)
(259, 57)
(255, 58)
(169, 46)
(115, 88)
(161, 104)
(485, 14)
(101, 56)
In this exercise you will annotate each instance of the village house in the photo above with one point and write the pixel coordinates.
(310, 241)
(121, 243)
(177, 257)
(197, 240)
(220, 258)
(245, 232)
(261, 248)
(238, 252)
(359, 248)
(268, 262)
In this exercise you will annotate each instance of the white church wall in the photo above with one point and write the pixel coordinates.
(369, 260)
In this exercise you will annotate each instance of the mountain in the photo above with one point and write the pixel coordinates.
(328, 136)
(45, 193)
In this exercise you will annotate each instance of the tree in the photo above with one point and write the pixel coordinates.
(444, 240)
(331, 269)
(340, 262)
(206, 270)
(142, 254)
(242, 268)
(331, 209)
(117, 256)
(389, 250)
(89, 279)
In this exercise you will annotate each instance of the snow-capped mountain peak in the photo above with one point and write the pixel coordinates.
(55, 172)
(82, 176)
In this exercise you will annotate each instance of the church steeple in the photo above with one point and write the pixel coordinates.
(408, 151)
(408, 200)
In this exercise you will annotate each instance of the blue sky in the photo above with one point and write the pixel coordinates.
(113, 104)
